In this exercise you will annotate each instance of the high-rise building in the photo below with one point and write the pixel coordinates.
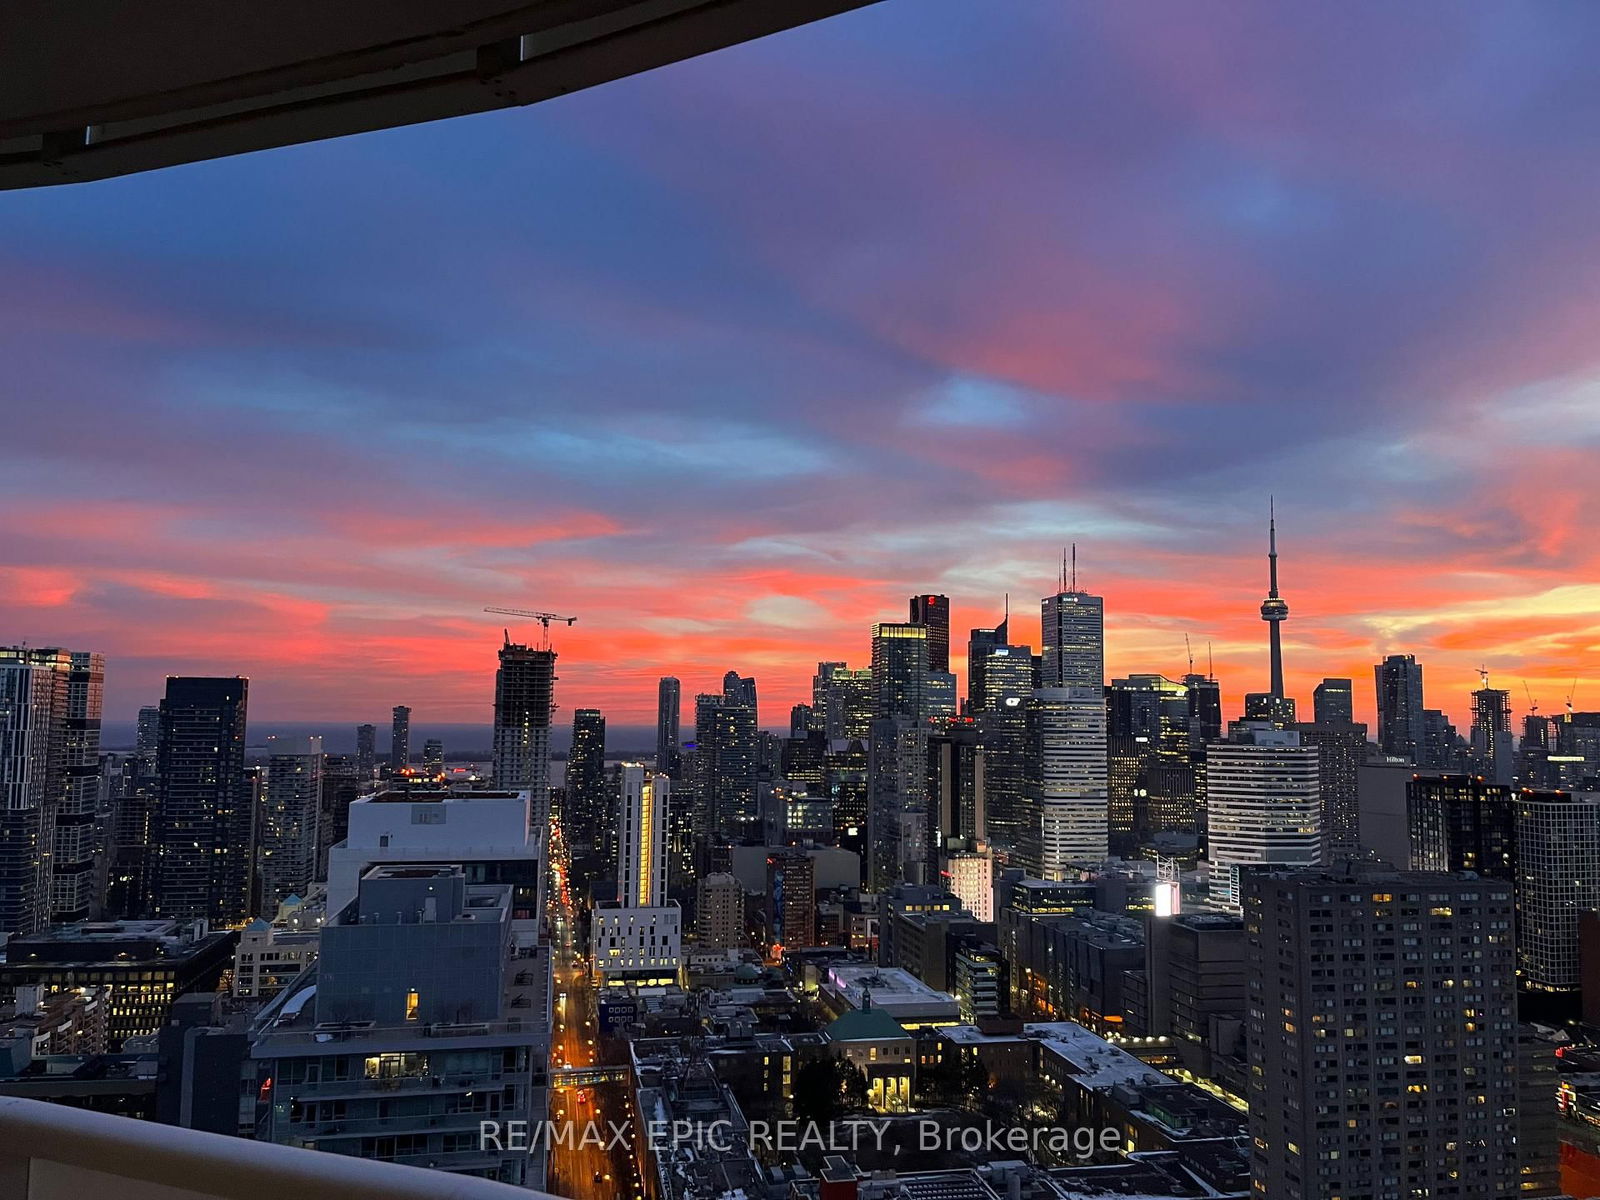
(899, 669)
(1006, 685)
(642, 838)
(586, 817)
(1400, 720)
(719, 912)
(1074, 625)
(287, 826)
(1333, 700)
(147, 738)
(1205, 710)
(204, 819)
(1393, 1074)
(957, 787)
(423, 953)
(792, 888)
(524, 696)
(639, 939)
(1147, 756)
(1493, 749)
(76, 887)
(400, 738)
(433, 758)
(979, 643)
(1462, 823)
(801, 720)
(726, 766)
(1557, 878)
(1441, 744)
(342, 786)
(1067, 827)
(1264, 806)
(1341, 746)
(841, 701)
(366, 752)
(741, 689)
(669, 703)
(1274, 611)
(933, 614)
(49, 785)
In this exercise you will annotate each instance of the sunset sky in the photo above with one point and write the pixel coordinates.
(730, 358)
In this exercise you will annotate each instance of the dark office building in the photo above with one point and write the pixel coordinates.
(1332, 700)
(1205, 711)
(366, 752)
(204, 827)
(1341, 750)
(726, 763)
(979, 643)
(586, 815)
(669, 702)
(400, 739)
(1400, 727)
(933, 614)
(1382, 1035)
(342, 785)
(1462, 823)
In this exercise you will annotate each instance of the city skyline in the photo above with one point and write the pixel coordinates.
(1237, 675)
(1138, 272)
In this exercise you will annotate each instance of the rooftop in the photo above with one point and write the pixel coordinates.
(420, 796)
(866, 1025)
(1093, 1061)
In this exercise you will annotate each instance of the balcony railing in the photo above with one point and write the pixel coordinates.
(51, 1152)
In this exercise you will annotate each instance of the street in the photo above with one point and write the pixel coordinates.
(589, 1168)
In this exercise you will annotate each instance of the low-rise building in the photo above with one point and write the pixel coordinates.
(142, 965)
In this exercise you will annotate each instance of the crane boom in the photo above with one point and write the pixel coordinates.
(544, 618)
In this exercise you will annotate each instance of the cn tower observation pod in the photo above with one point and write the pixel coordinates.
(91, 89)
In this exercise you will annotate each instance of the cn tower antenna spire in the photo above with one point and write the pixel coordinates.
(1274, 610)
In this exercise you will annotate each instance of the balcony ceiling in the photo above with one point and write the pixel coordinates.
(96, 88)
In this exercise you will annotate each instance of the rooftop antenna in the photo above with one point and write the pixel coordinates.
(1211, 672)
(1063, 568)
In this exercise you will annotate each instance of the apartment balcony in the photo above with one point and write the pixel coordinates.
(51, 1152)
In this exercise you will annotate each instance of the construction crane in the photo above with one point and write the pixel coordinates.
(1533, 705)
(544, 619)
(1189, 650)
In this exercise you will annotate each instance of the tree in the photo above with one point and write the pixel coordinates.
(852, 1085)
(817, 1091)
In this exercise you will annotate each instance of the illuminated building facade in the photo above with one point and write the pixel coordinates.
(1381, 1035)
(288, 822)
(1067, 827)
(49, 785)
(1264, 806)
(204, 820)
(639, 938)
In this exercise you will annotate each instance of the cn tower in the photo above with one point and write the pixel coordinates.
(1274, 610)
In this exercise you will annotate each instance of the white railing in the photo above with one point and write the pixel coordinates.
(51, 1152)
